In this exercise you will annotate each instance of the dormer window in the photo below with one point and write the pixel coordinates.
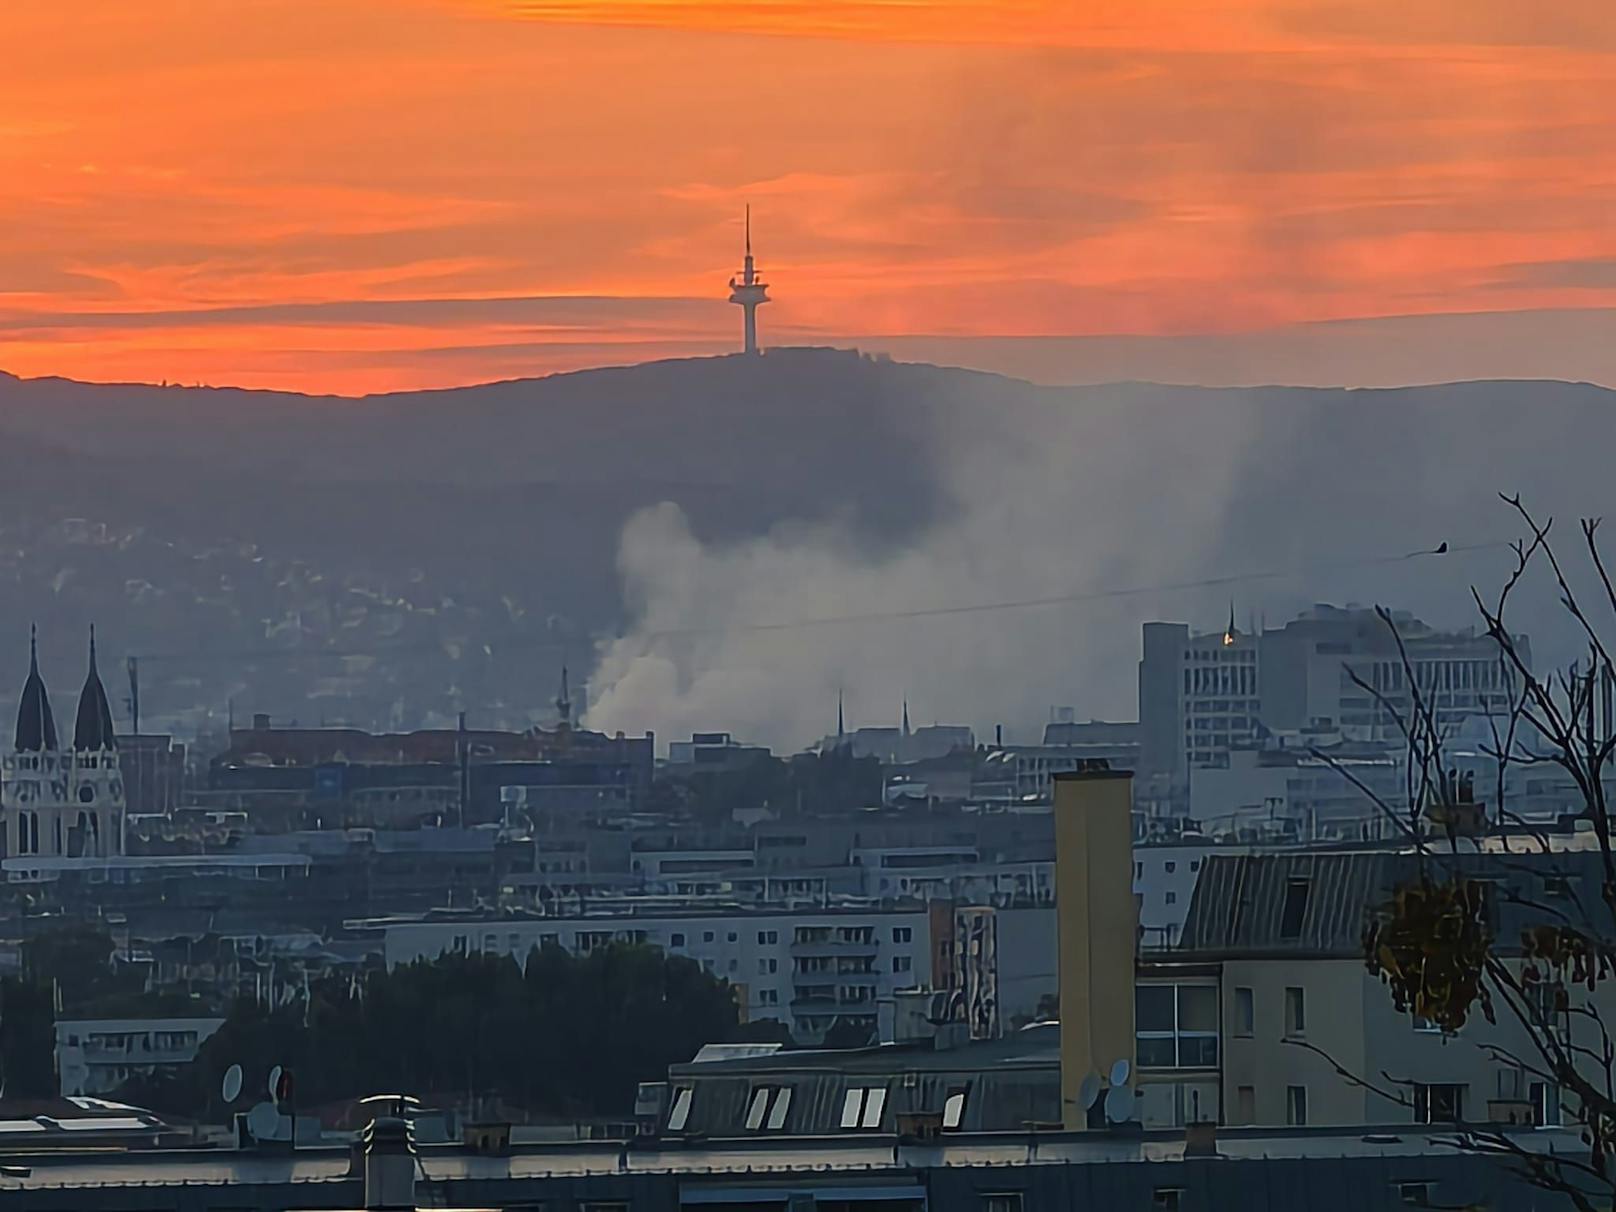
(862, 1107)
(679, 1113)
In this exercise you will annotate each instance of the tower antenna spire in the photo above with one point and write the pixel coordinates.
(749, 291)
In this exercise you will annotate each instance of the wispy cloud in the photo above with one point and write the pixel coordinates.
(240, 191)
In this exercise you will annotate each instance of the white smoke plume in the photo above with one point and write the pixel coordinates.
(1048, 509)
(1100, 489)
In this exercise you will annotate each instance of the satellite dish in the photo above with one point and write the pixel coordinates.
(274, 1082)
(1120, 1071)
(1089, 1092)
(1119, 1104)
(264, 1122)
(230, 1088)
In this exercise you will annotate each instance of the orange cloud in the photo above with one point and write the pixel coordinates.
(367, 193)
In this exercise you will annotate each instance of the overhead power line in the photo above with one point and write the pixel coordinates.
(1076, 597)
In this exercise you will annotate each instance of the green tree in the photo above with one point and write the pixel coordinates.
(27, 1040)
(569, 1034)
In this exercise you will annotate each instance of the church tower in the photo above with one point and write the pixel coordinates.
(96, 792)
(34, 775)
(58, 801)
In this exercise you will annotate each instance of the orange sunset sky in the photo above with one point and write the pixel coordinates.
(360, 195)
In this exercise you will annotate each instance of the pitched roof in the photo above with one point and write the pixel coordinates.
(36, 726)
(1320, 903)
(93, 730)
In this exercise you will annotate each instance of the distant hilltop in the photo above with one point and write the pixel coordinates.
(477, 530)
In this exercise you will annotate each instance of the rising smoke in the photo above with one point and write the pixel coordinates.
(1104, 489)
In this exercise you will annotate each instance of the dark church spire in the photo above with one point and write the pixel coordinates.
(36, 726)
(93, 730)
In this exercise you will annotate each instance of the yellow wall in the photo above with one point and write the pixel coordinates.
(1098, 926)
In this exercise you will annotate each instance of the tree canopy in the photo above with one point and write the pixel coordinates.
(565, 1035)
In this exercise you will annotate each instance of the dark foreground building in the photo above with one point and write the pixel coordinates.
(1366, 1170)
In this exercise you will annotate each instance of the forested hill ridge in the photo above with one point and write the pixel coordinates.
(236, 536)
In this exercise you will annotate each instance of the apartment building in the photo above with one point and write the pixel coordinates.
(1266, 1000)
(97, 1056)
(808, 970)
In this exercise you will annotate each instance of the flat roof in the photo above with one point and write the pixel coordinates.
(867, 1155)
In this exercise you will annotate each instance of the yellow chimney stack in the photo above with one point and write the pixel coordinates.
(1098, 928)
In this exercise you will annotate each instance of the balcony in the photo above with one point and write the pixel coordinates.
(834, 946)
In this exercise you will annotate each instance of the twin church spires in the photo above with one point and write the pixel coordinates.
(57, 801)
(36, 724)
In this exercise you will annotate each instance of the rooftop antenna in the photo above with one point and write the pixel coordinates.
(133, 665)
(563, 701)
(463, 752)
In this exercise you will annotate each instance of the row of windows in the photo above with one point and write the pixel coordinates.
(768, 1107)
(1238, 678)
(1169, 867)
(584, 940)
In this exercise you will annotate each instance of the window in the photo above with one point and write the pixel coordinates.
(1545, 1098)
(758, 1108)
(676, 939)
(1176, 1026)
(862, 1107)
(1439, 1103)
(852, 1104)
(680, 1111)
(1296, 1105)
(1166, 1198)
(777, 1113)
(768, 997)
(1172, 898)
(1549, 1005)
(1245, 1105)
(1295, 1011)
(768, 1108)
(1290, 919)
(768, 966)
(1010, 1202)
(1416, 1194)
(954, 1109)
(902, 963)
(707, 936)
(767, 937)
(903, 934)
(733, 937)
(1245, 1013)
(1169, 867)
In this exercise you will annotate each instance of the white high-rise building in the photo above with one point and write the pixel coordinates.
(1332, 671)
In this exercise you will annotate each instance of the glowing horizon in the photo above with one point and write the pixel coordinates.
(373, 194)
